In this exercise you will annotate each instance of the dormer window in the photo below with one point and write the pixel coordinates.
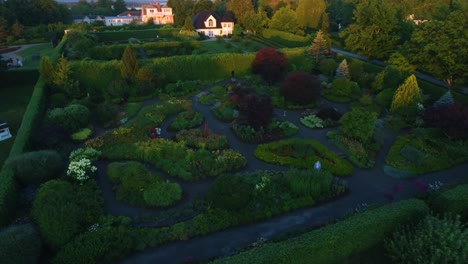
(210, 22)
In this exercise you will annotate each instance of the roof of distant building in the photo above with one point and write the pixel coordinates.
(200, 18)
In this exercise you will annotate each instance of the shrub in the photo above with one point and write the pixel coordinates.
(328, 66)
(312, 121)
(454, 201)
(230, 192)
(433, 240)
(37, 167)
(198, 138)
(451, 119)
(56, 213)
(256, 110)
(84, 153)
(329, 113)
(82, 134)
(8, 194)
(186, 120)
(301, 88)
(162, 194)
(312, 183)
(20, 244)
(72, 117)
(224, 113)
(335, 243)
(270, 64)
(342, 90)
(358, 124)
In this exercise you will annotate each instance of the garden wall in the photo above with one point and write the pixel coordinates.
(337, 242)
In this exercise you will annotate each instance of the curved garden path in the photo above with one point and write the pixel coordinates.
(366, 186)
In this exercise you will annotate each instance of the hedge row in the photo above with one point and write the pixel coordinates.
(286, 39)
(138, 34)
(31, 118)
(335, 243)
(208, 67)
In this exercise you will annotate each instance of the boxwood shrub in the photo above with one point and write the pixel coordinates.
(20, 244)
(337, 242)
(453, 201)
(302, 153)
(37, 166)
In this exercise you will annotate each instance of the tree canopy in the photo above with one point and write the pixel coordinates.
(285, 19)
(310, 12)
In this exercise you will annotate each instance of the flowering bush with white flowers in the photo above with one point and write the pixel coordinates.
(81, 169)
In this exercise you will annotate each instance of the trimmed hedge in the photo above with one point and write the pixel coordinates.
(20, 244)
(138, 34)
(8, 194)
(286, 39)
(453, 201)
(302, 154)
(337, 242)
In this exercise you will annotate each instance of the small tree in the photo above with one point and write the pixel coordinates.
(319, 46)
(256, 110)
(129, 65)
(62, 73)
(451, 119)
(301, 88)
(46, 69)
(406, 97)
(270, 64)
(343, 70)
(188, 25)
(358, 124)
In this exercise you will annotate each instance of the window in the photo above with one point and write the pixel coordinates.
(210, 22)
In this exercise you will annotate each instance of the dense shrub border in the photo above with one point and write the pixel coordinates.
(337, 242)
(138, 34)
(302, 153)
(286, 39)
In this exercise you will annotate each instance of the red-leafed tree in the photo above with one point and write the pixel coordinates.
(257, 111)
(301, 88)
(451, 119)
(270, 64)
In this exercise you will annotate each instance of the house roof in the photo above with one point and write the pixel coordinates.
(228, 17)
(200, 18)
(130, 13)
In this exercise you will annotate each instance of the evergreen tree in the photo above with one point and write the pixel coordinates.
(444, 100)
(319, 46)
(62, 73)
(188, 25)
(399, 62)
(128, 65)
(46, 68)
(343, 70)
(406, 97)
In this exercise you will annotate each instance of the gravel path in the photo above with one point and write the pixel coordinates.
(369, 186)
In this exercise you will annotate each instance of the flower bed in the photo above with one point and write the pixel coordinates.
(186, 120)
(275, 130)
(197, 138)
(302, 153)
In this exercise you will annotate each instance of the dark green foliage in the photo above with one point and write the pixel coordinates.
(412, 154)
(343, 90)
(358, 124)
(453, 201)
(138, 186)
(37, 167)
(328, 67)
(286, 39)
(384, 98)
(337, 242)
(186, 120)
(72, 117)
(129, 64)
(302, 154)
(20, 244)
(61, 210)
(8, 194)
(433, 240)
(230, 192)
(181, 88)
(56, 213)
(312, 183)
(360, 154)
(202, 138)
(276, 129)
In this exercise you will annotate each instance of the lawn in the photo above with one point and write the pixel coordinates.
(32, 55)
(13, 103)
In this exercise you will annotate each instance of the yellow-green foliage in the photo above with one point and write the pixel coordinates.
(406, 96)
(337, 242)
(287, 39)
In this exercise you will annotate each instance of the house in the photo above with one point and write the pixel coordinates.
(161, 14)
(92, 18)
(211, 24)
(121, 20)
(4, 131)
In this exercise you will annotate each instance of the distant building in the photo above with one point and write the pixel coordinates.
(161, 14)
(211, 24)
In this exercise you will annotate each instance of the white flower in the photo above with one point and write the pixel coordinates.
(81, 169)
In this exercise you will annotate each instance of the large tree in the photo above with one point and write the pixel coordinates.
(240, 8)
(203, 5)
(255, 21)
(373, 32)
(285, 19)
(119, 6)
(181, 9)
(440, 48)
(310, 12)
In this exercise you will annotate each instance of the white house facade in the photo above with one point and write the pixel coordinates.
(211, 24)
(161, 14)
